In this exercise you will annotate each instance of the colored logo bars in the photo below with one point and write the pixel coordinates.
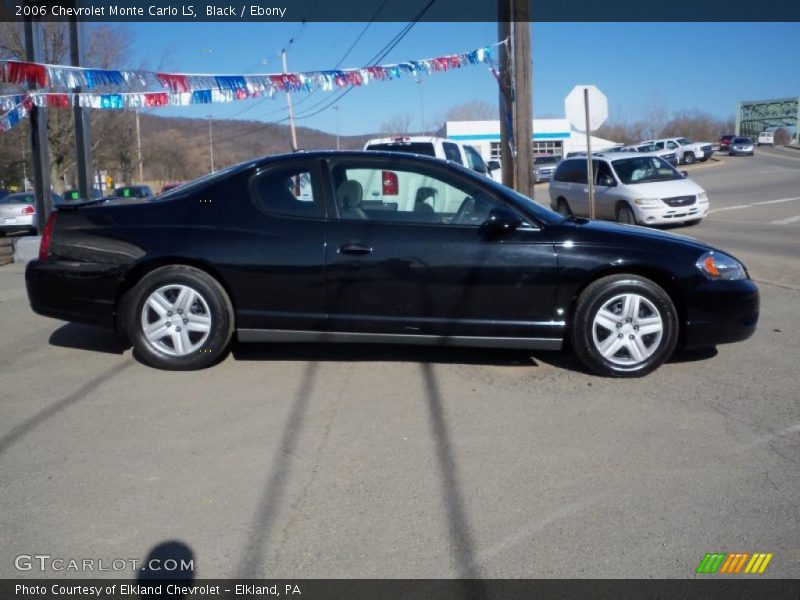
(734, 563)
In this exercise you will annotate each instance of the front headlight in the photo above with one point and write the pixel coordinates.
(647, 201)
(702, 197)
(721, 267)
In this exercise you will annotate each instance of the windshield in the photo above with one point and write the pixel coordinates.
(424, 148)
(545, 160)
(742, 141)
(644, 169)
(684, 141)
(647, 148)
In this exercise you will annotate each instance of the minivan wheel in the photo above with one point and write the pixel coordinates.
(179, 318)
(625, 214)
(562, 207)
(624, 326)
(688, 158)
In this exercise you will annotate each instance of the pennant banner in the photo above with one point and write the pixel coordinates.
(120, 89)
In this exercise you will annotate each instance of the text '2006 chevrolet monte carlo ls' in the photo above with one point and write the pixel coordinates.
(387, 248)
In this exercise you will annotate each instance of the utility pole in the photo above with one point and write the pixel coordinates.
(80, 116)
(336, 108)
(289, 103)
(139, 147)
(40, 149)
(211, 143)
(516, 95)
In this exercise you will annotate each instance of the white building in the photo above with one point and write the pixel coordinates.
(550, 136)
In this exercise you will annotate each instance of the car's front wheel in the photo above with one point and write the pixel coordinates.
(688, 158)
(624, 214)
(179, 318)
(624, 326)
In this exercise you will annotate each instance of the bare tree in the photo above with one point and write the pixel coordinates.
(397, 124)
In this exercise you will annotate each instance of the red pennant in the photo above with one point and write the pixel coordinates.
(27, 73)
(176, 83)
(156, 99)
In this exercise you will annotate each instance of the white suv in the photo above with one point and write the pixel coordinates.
(630, 188)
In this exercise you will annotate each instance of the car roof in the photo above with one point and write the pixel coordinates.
(409, 139)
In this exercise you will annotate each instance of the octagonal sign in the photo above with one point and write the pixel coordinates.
(576, 112)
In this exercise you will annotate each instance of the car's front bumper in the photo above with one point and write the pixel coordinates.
(720, 312)
(664, 215)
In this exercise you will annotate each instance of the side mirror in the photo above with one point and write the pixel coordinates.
(607, 180)
(685, 174)
(501, 220)
(493, 165)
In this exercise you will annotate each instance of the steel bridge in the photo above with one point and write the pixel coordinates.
(755, 116)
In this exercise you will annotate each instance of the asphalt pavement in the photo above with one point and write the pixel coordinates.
(366, 461)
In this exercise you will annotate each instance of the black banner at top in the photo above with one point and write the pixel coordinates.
(395, 10)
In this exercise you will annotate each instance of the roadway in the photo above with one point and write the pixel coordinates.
(292, 461)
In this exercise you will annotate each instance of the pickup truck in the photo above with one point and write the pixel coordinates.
(687, 151)
(443, 148)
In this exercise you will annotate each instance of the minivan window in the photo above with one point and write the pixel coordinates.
(424, 148)
(644, 169)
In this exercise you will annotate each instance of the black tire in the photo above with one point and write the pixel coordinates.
(212, 302)
(624, 214)
(605, 292)
(688, 158)
(562, 207)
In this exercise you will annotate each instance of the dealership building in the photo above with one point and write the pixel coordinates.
(550, 136)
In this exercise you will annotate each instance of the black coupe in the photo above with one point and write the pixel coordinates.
(381, 247)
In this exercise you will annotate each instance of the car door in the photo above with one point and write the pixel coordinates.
(430, 269)
(268, 241)
(579, 188)
(605, 195)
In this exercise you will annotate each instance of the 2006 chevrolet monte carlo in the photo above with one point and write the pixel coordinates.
(381, 247)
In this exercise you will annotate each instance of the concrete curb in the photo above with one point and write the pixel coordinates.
(26, 248)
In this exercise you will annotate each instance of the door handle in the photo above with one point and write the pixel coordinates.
(355, 249)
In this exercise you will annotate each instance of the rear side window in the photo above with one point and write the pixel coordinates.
(571, 171)
(451, 152)
(287, 192)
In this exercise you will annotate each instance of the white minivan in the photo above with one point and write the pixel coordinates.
(630, 188)
(766, 138)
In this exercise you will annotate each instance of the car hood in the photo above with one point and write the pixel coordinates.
(666, 189)
(633, 235)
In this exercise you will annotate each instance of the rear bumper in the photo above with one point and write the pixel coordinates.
(77, 292)
(721, 312)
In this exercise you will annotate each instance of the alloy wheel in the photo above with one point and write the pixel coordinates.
(627, 329)
(175, 320)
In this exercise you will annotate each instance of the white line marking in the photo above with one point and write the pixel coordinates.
(786, 221)
(741, 206)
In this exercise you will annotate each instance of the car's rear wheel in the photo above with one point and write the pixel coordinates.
(563, 207)
(624, 326)
(179, 318)
(624, 214)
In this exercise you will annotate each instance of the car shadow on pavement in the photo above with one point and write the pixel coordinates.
(86, 337)
(333, 352)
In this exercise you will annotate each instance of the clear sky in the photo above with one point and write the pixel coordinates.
(706, 66)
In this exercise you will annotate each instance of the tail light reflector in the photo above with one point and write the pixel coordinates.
(390, 186)
(29, 210)
(47, 236)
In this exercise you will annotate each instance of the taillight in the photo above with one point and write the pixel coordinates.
(47, 236)
(29, 210)
(390, 187)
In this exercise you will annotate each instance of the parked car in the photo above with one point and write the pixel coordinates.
(741, 145)
(171, 186)
(133, 191)
(724, 142)
(74, 195)
(18, 211)
(635, 189)
(688, 151)
(444, 148)
(273, 259)
(766, 138)
(544, 167)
